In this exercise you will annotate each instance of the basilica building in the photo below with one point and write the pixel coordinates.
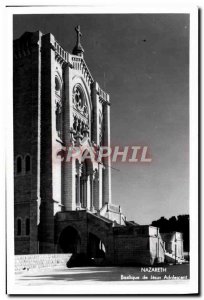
(64, 205)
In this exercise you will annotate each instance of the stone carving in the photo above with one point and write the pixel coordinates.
(100, 128)
(80, 113)
(79, 102)
(58, 112)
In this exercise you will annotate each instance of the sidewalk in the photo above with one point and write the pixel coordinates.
(61, 275)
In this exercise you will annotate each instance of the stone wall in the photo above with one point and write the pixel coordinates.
(139, 245)
(46, 226)
(131, 249)
(25, 262)
(25, 100)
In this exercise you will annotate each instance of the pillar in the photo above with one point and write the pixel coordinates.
(91, 192)
(81, 191)
(78, 186)
(88, 203)
(95, 114)
(84, 192)
(68, 167)
(46, 226)
(106, 160)
(96, 191)
(100, 186)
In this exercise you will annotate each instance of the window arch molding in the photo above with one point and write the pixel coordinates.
(19, 165)
(27, 226)
(82, 93)
(79, 81)
(19, 225)
(58, 84)
(27, 163)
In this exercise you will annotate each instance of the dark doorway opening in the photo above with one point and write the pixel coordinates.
(96, 248)
(70, 240)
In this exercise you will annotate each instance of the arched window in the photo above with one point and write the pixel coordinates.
(27, 163)
(19, 165)
(58, 102)
(18, 226)
(27, 226)
(58, 86)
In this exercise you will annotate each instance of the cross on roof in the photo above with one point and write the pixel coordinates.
(78, 31)
(78, 49)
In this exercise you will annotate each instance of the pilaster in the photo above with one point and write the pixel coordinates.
(68, 167)
(106, 160)
(46, 189)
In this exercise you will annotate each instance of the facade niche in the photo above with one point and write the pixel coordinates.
(58, 106)
(27, 163)
(19, 165)
(19, 225)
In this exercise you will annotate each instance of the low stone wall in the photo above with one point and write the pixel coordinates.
(27, 262)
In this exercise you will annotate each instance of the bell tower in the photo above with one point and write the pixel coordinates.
(86, 124)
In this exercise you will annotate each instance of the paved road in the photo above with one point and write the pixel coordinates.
(62, 275)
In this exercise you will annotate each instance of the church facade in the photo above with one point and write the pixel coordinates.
(65, 206)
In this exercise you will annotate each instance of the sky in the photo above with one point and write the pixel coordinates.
(142, 61)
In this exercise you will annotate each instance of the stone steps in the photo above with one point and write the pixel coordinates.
(169, 257)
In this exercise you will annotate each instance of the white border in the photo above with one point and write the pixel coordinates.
(161, 287)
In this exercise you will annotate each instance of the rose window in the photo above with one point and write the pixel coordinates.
(79, 101)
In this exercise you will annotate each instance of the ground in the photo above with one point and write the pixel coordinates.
(63, 275)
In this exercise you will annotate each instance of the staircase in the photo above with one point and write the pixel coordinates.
(170, 258)
(101, 219)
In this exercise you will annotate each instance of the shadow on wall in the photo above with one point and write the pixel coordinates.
(82, 260)
(97, 274)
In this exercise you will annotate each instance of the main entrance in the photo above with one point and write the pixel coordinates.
(69, 240)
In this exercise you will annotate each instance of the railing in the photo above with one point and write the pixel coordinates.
(79, 64)
(113, 208)
(103, 95)
(61, 52)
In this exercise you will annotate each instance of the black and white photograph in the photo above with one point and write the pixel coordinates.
(103, 151)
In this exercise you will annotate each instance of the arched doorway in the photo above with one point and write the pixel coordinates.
(85, 175)
(96, 248)
(69, 240)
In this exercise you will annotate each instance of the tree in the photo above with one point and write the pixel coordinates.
(179, 223)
